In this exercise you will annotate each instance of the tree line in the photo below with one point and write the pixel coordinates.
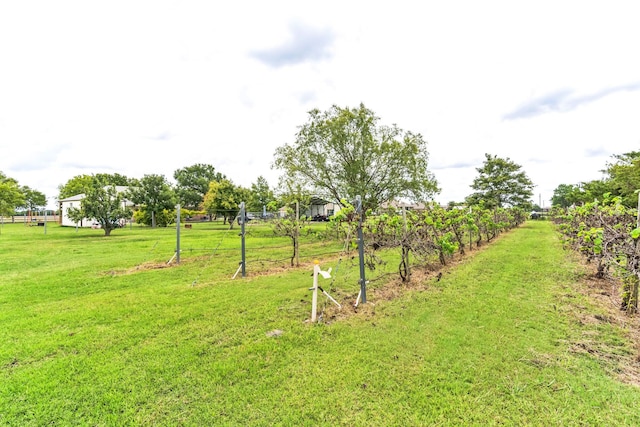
(621, 179)
(18, 197)
(337, 155)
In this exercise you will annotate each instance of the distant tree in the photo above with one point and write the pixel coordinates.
(585, 192)
(33, 199)
(76, 185)
(163, 218)
(343, 152)
(594, 190)
(501, 183)
(11, 195)
(261, 195)
(292, 194)
(114, 179)
(224, 198)
(624, 177)
(565, 195)
(79, 183)
(104, 204)
(193, 184)
(153, 194)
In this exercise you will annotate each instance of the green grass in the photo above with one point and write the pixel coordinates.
(94, 332)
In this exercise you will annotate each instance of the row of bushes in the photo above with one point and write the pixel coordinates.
(607, 234)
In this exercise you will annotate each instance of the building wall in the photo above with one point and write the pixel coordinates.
(327, 209)
(65, 205)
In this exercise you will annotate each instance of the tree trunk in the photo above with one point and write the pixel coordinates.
(404, 267)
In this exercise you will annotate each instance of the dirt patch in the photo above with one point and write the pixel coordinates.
(389, 287)
(138, 268)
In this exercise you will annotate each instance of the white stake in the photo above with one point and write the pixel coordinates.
(357, 299)
(314, 298)
(330, 297)
(237, 271)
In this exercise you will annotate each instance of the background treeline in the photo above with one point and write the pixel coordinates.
(338, 154)
(621, 178)
(599, 219)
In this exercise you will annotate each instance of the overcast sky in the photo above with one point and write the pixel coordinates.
(148, 87)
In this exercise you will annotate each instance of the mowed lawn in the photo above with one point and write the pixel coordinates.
(99, 331)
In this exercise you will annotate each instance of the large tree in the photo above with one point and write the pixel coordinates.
(102, 203)
(261, 195)
(154, 195)
(501, 183)
(193, 183)
(224, 198)
(11, 195)
(566, 195)
(33, 199)
(79, 183)
(345, 152)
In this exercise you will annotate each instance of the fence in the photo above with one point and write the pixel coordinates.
(30, 219)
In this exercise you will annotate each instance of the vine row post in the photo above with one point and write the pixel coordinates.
(363, 282)
(243, 218)
(177, 233)
(636, 283)
(296, 243)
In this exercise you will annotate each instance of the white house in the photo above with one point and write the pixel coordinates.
(76, 202)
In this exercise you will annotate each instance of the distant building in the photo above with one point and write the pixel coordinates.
(321, 210)
(76, 202)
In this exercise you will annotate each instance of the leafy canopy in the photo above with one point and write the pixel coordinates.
(565, 195)
(79, 183)
(501, 183)
(102, 203)
(154, 195)
(193, 183)
(624, 177)
(262, 196)
(11, 195)
(224, 198)
(343, 152)
(33, 199)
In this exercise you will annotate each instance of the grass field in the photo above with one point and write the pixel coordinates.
(99, 331)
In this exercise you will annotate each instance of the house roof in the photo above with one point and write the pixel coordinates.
(77, 197)
(74, 198)
(318, 201)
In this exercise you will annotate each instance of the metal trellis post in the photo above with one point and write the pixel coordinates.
(363, 282)
(242, 221)
(178, 234)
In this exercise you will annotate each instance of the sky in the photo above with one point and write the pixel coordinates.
(149, 87)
